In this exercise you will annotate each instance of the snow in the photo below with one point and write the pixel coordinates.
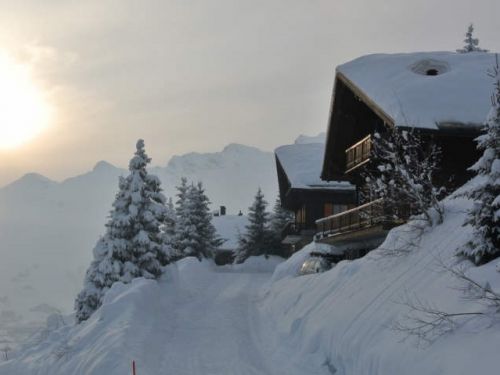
(292, 266)
(229, 227)
(302, 164)
(44, 261)
(398, 85)
(242, 319)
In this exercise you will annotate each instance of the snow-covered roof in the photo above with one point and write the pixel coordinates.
(302, 164)
(401, 87)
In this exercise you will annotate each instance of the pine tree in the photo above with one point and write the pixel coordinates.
(471, 43)
(257, 239)
(485, 214)
(195, 234)
(279, 219)
(206, 237)
(133, 245)
(169, 228)
(181, 230)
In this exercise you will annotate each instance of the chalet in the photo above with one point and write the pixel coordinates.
(444, 96)
(305, 194)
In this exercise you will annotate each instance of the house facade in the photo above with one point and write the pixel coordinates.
(305, 194)
(442, 95)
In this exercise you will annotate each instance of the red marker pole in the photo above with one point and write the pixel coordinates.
(133, 368)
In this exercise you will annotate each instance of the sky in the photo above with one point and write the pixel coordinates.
(195, 75)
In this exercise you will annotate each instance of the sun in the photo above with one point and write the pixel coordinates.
(23, 111)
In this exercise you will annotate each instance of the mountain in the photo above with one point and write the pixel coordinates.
(302, 139)
(48, 228)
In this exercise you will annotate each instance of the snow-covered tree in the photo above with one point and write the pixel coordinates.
(279, 219)
(471, 43)
(195, 234)
(133, 244)
(182, 225)
(485, 214)
(402, 172)
(168, 228)
(201, 217)
(257, 239)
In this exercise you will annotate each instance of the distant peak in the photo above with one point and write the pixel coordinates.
(231, 147)
(35, 177)
(103, 165)
(30, 179)
(304, 139)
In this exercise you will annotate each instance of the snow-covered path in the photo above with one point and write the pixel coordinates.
(200, 319)
(212, 332)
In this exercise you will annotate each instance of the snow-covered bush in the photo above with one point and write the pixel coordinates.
(133, 245)
(485, 214)
(401, 172)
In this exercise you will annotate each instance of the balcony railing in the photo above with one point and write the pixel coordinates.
(358, 153)
(364, 216)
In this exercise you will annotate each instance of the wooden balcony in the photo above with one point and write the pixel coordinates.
(358, 154)
(375, 214)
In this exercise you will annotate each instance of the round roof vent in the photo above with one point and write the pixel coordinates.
(430, 67)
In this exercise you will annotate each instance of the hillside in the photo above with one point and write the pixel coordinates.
(232, 320)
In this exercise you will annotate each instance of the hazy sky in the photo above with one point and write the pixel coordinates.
(194, 75)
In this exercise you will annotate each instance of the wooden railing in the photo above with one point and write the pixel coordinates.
(364, 216)
(358, 153)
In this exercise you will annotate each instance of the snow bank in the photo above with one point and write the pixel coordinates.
(345, 315)
(255, 264)
(292, 266)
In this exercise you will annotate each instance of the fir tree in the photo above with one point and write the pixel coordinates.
(133, 245)
(169, 227)
(195, 234)
(206, 239)
(471, 43)
(181, 230)
(485, 214)
(257, 239)
(279, 219)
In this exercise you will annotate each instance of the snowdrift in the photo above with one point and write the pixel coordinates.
(347, 315)
(202, 319)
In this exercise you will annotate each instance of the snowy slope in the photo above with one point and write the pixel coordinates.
(345, 315)
(230, 320)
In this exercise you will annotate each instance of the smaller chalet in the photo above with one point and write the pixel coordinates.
(444, 96)
(305, 194)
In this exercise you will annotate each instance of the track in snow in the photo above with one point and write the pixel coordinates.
(212, 331)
